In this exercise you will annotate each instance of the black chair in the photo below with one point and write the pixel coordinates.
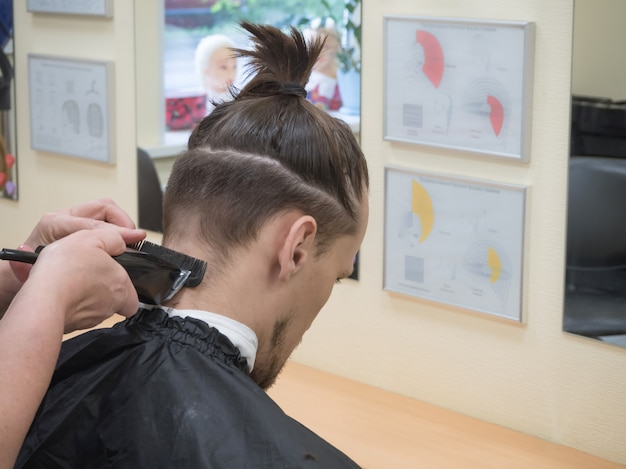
(598, 127)
(150, 193)
(595, 291)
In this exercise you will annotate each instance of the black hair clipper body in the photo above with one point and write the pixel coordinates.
(156, 278)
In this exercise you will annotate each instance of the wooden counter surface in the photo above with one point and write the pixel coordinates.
(382, 430)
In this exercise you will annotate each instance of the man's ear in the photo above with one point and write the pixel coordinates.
(298, 246)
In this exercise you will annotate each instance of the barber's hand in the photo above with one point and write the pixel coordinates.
(56, 225)
(95, 214)
(77, 275)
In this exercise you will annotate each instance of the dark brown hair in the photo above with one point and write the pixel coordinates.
(227, 195)
(267, 150)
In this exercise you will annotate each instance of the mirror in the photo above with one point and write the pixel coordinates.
(185, 39)
(595, 272)
(8, 154)
(198, 67)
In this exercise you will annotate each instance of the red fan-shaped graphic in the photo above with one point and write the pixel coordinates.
(433, 57)
(496, 116)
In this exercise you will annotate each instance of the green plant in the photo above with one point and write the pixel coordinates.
(346, 14)
(349, 29)
(279, 13)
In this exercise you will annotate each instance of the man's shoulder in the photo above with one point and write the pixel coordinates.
(156, 398)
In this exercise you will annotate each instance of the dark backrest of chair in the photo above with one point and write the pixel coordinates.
(595, 290)
(598, 127)
(150, 193)
(596, 226)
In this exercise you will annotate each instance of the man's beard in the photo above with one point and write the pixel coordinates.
(269, 365)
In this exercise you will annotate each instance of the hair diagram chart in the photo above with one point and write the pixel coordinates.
(457, 83)
(457, 241)
(69, 107)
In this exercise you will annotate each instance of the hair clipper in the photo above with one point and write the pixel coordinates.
(156, 275)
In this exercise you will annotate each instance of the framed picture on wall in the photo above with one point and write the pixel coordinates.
(459, 83)
(454, 240)
(71, 103)
(72, 7)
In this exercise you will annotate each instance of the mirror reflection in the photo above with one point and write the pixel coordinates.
(595, 271)
(8, 162)
(197, 69)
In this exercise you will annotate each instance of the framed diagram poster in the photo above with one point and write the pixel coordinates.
(455, 241)
(70, 107)
(459, 84)
(72, 7)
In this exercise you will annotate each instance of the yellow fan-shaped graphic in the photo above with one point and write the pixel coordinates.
(493, 261)
(422, 206)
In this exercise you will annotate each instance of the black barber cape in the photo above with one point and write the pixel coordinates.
(161, 392)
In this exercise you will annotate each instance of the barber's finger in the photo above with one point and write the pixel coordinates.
(127, 235)
(112, 241)
(103, 209)
(55, 226)
(132, 236)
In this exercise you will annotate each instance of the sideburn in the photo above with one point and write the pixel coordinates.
(268, 367)
(278, 334)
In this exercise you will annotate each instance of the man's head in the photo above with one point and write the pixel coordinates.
(216, 65)
(273, 194)
(275, 244)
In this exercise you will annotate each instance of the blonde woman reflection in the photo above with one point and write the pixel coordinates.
(216, 67)
(322, 89)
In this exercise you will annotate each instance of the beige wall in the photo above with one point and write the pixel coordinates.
(530, 377)
(533, 377)
(48, 181)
